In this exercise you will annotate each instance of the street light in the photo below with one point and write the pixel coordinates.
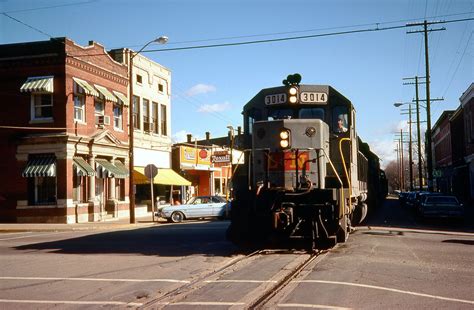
(131, 125)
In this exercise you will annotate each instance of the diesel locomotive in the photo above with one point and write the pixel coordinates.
(307, 176)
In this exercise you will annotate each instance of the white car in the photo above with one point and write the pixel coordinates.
(196, 207)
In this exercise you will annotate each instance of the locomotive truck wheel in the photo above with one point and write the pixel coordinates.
(177, 217)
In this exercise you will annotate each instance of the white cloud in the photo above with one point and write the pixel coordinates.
(218, 107)
(182, 136)
(384, 149)
(200, 89)
(179, 136)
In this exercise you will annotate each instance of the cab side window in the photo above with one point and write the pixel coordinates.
(340, 119)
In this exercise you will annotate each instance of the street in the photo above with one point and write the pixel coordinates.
(393, 262)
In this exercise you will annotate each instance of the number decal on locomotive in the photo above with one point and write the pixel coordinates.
(310, 97)
(275, 99)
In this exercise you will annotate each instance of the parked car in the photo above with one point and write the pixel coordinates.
(196, 207)
(441, 206)
(402, 197)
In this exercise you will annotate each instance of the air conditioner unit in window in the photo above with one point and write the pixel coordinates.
(102, 120)
(148, 127)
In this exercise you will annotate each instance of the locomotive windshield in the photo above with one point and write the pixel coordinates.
(274, 114)
(301, 113)
(314, 113)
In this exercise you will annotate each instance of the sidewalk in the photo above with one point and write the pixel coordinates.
(122, 223)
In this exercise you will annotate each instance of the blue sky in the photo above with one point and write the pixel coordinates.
(210, 86)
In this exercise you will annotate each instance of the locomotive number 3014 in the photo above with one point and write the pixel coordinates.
(275, 99)
(310, 97)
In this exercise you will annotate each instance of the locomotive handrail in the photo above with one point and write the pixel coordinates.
(344, 164)
(338, 178)
(345, 169)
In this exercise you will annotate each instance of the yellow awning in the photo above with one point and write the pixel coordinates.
(106, 93)
(165, 177)
(122, 97)
(86, 87)
(38, 84)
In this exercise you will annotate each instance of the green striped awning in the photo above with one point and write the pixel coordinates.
(40, 166)
(38, 84)
(122, 167)
(82, 167)
(108, 170)
(106, 93)
(122, 97)
(88, 89)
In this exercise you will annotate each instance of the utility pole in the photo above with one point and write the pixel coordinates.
(418, 128)
(410, 153)
(428, 106)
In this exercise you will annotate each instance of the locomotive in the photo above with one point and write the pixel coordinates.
(307, 176)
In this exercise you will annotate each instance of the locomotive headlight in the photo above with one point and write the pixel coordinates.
(284, 135)
(293, 94)
(284, 138)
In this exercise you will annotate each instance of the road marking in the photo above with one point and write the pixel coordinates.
(240, 281)
(201, 303)
(387, 289)
(93, 279)
(70, 302)
(311, 306)
(35, 235)
(16, 233)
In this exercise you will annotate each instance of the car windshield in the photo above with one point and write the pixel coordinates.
(442, 199)
(205, 199)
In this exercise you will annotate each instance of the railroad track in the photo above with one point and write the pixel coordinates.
(254, 299)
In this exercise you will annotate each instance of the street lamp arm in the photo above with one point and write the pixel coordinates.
(161, 40)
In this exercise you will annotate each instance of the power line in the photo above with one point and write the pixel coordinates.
(279, 39)
(308, 30)
(27, 25)
(49, 7)
(459, 63)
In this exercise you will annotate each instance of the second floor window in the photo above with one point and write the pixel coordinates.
(146, 110)
(99, 106)
(139, 79)
(79, 107)
(118, 116)
(154, 117)
(136, 112)
(164, 124)
(42, 106)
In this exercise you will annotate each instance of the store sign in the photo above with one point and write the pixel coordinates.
(220, 157)
(194, 156)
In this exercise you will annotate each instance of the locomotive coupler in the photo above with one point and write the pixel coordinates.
(283, 217)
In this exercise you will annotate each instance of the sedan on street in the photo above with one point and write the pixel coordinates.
(440, 206)
(195, 208)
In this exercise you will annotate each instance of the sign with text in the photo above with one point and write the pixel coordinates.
(194, 156)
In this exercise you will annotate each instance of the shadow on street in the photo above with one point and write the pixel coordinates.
(167, 240)
(392, 214)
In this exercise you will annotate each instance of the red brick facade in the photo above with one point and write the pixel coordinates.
(74, 196)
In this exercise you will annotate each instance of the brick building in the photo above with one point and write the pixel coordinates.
(453, 149)
(467, 105)
(63, 133)
(442, 152)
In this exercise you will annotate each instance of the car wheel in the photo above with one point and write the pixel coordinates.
(177, 217)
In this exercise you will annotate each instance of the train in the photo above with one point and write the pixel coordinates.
(307, 177)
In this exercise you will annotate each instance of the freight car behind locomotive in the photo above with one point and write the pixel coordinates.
(307, 176)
